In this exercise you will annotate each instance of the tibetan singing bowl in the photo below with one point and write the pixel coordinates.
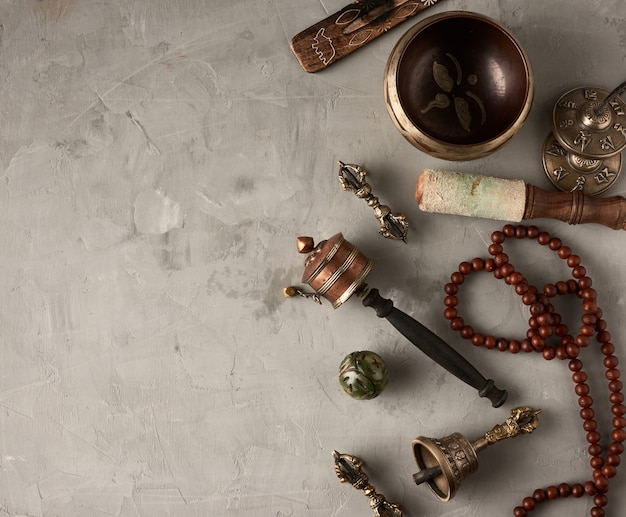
(458, 85)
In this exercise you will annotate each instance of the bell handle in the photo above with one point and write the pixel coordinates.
(434, 347)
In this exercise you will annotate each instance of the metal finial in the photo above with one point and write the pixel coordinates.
(392, 226)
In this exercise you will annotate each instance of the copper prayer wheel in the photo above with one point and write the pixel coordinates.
(335, 268)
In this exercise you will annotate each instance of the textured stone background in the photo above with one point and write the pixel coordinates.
(157, 160)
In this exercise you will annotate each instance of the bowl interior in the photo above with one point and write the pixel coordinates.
(462, 80)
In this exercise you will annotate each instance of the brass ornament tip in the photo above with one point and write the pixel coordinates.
(305, 244)
(290, 292)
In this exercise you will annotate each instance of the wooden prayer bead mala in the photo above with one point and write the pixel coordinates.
(545, 322)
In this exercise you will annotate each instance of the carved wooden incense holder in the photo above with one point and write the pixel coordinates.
(351, 28)
(336, 269)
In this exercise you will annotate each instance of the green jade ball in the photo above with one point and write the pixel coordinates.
(363, 375)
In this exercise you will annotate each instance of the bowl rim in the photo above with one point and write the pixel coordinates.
(424, 141)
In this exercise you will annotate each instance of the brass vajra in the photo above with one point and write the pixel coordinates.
(348, 468)
(392, 226)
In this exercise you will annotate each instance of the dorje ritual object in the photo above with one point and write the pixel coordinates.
(392, 226)
(349, 29)
(363, 375)
(336, 270)
(444, 93)
(583, 152)
(548, 335)
(446, 462)
(512, 200)
(349, 469)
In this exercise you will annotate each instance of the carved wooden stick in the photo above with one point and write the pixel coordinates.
(513, 200)
(349, 29)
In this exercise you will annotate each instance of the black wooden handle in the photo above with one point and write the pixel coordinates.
(435, 347)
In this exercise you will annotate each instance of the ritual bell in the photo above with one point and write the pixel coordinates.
(446, 462)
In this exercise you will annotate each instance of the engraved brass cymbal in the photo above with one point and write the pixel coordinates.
(569, 171)
(585, 125)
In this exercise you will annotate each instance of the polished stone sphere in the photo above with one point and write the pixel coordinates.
(363, 375)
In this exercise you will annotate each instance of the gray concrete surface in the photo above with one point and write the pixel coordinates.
(158, 160)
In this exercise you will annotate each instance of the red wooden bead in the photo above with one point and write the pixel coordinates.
(552, 493)
(609, 471)
(543, 238)
(573, 260)
(577, 490)
(467, 332)
(532, 232)
(590, 488)
(450, 314)
(600, 500)
(590, 425)
(587, 413)
(501, 258)
(564, 252)
(616, 448)
(593, 437)
(575, 365)
(518, 511)
(610, 361)
(596, 512)
(450, 301)
(520, 231)
(564, 490)
(465, 268)
(494, 249)
(555, 243)
(584, 282)
(618, 422)
(529, 504)
(497, 237)
(539, 495)
(457, 323)
(616, 397)
(451, 288)
(616, 386)
(613, 459)
(582, 389)
(457, 278)
(508, 230)
(613, 374)
(596, 462)
(618, 435)
(478, 339)
(478, 264)
(585, 402)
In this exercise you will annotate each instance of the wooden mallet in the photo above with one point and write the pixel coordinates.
(513, 200)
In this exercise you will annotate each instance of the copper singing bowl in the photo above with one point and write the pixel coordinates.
(458, 85)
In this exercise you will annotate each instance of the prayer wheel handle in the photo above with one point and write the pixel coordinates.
(433, 346)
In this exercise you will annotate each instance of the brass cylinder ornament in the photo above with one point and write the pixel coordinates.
(445, 462)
